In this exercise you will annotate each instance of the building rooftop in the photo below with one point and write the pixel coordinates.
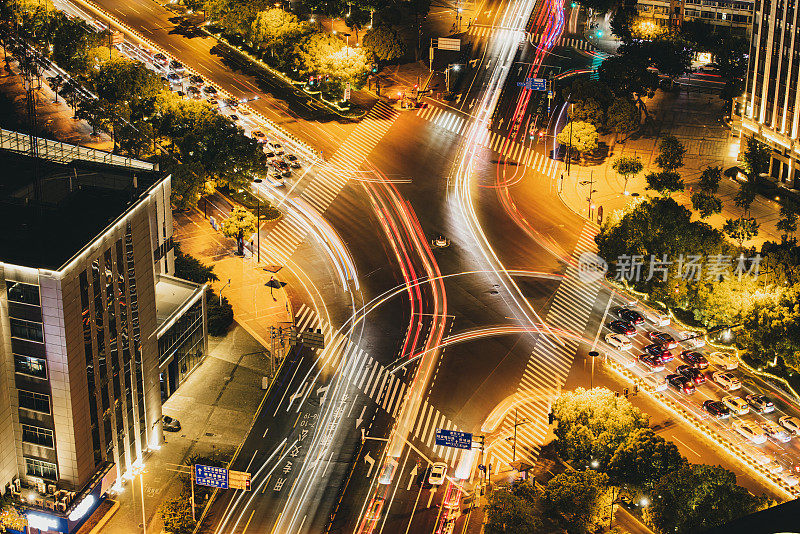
(173, 296)
(45, 226)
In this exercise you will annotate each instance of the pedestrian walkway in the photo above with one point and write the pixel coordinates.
(478, 30)
(550, 362)
(377, 383)
(215, 406)
(331, 178)
(694, 119)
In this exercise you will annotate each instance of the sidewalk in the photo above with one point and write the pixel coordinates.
(256, 308)
(55, 120)
(215, 407)
(694, 119)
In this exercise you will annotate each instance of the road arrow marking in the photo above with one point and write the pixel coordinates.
(473, 62)
(322, 390)
(360, 418)
(297, 395)
(412, 477)
(430, 499)
(371, 462)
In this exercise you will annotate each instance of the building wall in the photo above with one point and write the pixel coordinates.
(731, 13)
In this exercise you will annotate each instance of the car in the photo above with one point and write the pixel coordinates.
(695, 359)
(658, 383)
(789, 479)
(177, 66)
(293, 161)
(259, 136)
(232, 102)
(388, 469)
(193, 92)
(663, 338)
(270, 155)
(374, 510)
(693, 340)
(760, 403)
(160, 59)
(736, 404)
(749, 430)
(723, 360)
(726, 380)
(213, 102)
(233, 117)
(681, 384)
(792, 424)
(630, 316)
(717, 409)
(622, 327)
(619, 342)
(174, 79)
(210, 90)
(773, 468)
(692, 374)
(276, 147)
(438, 471)
(654, 317)
(651, 363)
(276, 180)
(280, 165)
(775, 431)
(658, 350)
(196, 79)
(170, 424)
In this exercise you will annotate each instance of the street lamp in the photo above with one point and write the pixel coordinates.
(220, 291)
(453, 66)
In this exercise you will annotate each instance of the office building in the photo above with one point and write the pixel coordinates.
(734, 15)
(91, 320)
(768, 107)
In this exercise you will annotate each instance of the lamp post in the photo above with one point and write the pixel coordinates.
(454, 67)
(569, 152)
(220, 291)
(514, 445)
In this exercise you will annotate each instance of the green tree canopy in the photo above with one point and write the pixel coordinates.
(588, 110)
(190, 268)
(622, 117)
(670, 153)
(710, 179)
(122, 80)
(706, 204)
(586, 88)
(72, 40)
(696, 498)
(582, 498)
(665, 182)
(510, 510)
(384, 43)
(772, 329)
(756, 157)
(240, 224)
(627, 166)
(322, 54)
(643, 458)
(273, 27)
(581, 136)
(741, 229)
(592, 423)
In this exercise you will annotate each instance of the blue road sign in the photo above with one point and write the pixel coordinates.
(538, 84)
(207, 475)
(453, 438)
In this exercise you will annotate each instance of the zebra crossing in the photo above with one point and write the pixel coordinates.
(550, 361)
(330, 179)
(572, 42)
(376, 382)
(519, 152)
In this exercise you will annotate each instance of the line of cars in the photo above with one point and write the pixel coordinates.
(696, 370)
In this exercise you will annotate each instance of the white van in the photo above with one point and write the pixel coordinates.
(655, 382)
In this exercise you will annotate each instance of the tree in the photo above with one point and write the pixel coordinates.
(772, 329)
(240, 224)
(643, 458)
(628, 166)
(190, 268)
(510, 511)
(590, 424)
(788, 221)
(745, 196)
(628, 77)
(177, 515)
(741, 229)
(580, 136)
(683, 500)
(756, 157)
(588, 110)
(671, 152)
(273, 27)
(710, 178)
(600, 6)
(235, 16)
(622, 23)
(622, 117)
(582, 498)
(322, 54)
(72, 40)
(356, 19)
(220, 314)
(665, 182)
(384, 43)
(706, 204)
(586, 88)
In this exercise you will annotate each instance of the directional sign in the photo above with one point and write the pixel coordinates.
(239, 480)
(445, 43)
(315, 340)
(347, 91)
(453, 438)
(207, 475)
(534, 84)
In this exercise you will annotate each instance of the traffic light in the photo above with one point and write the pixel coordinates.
(374, 68)
(625, 391)
(635, 390)
(616, 393)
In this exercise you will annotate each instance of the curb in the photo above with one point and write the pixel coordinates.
(106, 518)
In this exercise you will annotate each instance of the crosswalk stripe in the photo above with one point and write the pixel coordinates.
(382, 373)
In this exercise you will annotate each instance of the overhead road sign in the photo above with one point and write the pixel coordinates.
(453, 438)
(239, 480)
(314, 340)
(447, 43)
(208, 475)
(534, 84)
